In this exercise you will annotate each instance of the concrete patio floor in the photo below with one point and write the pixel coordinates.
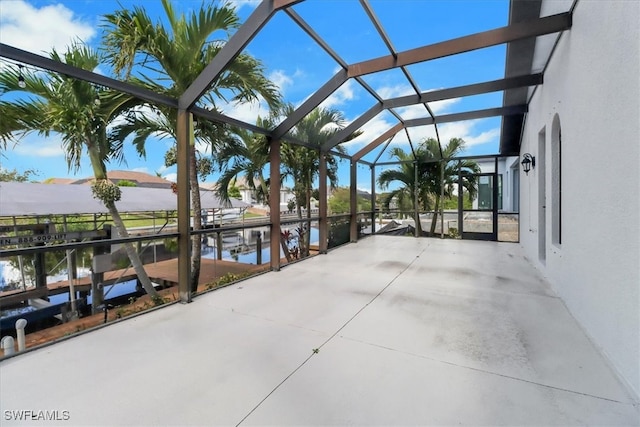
(388, 331)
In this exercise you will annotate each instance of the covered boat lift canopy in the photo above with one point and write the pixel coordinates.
(21, 199)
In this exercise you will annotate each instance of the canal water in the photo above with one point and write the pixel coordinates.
(8, 274)
(248, 255)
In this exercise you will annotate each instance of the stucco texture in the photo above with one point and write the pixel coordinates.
(591, 86)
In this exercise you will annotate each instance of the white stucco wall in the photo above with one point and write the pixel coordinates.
(506, 169)
(593, 85)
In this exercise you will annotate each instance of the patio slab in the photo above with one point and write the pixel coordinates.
(388, 331)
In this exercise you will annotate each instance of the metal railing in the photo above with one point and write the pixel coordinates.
(244, 243)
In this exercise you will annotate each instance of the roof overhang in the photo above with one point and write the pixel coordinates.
(518, 62)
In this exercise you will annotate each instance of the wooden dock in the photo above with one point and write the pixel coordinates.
(165, 273)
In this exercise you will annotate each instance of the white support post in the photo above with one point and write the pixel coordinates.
(8, 345)
(20, 325)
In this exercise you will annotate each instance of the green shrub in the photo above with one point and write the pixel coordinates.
(226, 279)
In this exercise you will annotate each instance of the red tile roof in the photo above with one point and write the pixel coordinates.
(141, 179)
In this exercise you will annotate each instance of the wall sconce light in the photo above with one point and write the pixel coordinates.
(528, 162)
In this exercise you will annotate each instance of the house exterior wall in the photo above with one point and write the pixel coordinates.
(507, 166)
(509, 169)
(249, 196)
(246, 195)
(586, 240)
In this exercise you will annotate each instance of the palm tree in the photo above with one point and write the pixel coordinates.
(302, 163)
(436, 176)
(80, 112)
(172, 58)
(248, 156)
(406, 176)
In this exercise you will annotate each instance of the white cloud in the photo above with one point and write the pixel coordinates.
(419, 111)
(466, 130)
(491, 135)
(388, 92)
(418, 133)
(39, 30)
(144, 110)
(299, 74)
(239, 4)
(167, 173)
(439, 107)
(39, 146)
(162, 169)
(414, 111)
(203, 147)
(248, 112)
(281, 80)
(370, 131)
(341, 96)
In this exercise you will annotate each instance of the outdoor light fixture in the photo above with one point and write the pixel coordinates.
(528, 162)
(21, 81)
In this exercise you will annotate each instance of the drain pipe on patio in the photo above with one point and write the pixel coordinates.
(8, 345)
(20, 325)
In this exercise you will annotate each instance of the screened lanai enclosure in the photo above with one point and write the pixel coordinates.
(399, 140)
(488, 182)
(382, 212)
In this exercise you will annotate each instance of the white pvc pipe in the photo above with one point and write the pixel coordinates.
(20, 325)
(8, 345)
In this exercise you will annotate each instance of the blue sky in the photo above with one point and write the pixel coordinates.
(297, 65)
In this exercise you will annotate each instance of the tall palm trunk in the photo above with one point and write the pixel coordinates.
(196, 245)
(100, 173)
(434, 219)
(418, 226)
(307, 234)
(265, 190)
(416, 210)
(417, 223)
(297, 192)
(136, 263)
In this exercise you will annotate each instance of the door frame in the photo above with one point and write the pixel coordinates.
(472, 235)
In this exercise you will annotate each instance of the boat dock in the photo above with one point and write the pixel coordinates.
(164, 273)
